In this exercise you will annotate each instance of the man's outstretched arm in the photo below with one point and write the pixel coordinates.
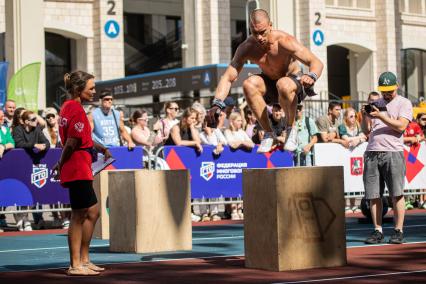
(231, 74)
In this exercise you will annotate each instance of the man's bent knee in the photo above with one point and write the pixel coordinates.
(286, 88)
(252, 86)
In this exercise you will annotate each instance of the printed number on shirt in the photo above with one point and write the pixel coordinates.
(108, 131)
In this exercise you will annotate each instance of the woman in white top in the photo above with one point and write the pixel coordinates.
(235, 135)
(213, 136)
(237, 138)
(51, 131)
(350, 129)
(141, 134)
(164, 125)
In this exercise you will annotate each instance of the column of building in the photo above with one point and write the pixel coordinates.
(108, 45)
(386, 54)
(25, 39)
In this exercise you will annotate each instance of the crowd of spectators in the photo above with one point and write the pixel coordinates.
(236, 127)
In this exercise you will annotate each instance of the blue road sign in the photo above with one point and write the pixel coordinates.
(112, 29)
(318, 37)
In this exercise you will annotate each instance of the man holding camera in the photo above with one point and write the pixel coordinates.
(277, 54)
(384, 157)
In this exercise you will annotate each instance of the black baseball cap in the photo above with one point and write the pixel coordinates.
(105, 93)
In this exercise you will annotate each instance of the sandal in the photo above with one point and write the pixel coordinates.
(81, 271)
(93, 267)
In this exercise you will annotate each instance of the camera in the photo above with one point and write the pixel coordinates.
(369, 108)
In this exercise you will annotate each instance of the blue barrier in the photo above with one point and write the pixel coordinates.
(213, 177)
(26, 178)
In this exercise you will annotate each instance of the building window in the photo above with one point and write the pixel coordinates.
(2, 47)
(358, 4)
(238, 34)
(58, 62)
(414, 72)
(151, 43)
(417, 7)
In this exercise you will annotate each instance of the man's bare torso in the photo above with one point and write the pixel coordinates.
(275, 62)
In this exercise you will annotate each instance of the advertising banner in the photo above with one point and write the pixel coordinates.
(26, 178)
(221, 176)
(332, 154)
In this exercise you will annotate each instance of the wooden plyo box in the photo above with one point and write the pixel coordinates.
(294, 218)
(100, 185)
(150, 211)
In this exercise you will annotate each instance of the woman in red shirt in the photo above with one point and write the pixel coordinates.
(75, 171)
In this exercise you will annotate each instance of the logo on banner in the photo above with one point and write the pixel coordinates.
(356, 166)
(39, 175)
(207, 170)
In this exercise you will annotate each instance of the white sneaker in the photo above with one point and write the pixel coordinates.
(65, 224)
(195, 218)
(291, 139)
(20, 224)
(235, 215)
(266, 143)
(27, 227)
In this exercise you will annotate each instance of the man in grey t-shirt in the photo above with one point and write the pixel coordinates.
(384, 157)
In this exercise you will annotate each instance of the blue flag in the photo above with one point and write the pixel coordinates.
(3, 82)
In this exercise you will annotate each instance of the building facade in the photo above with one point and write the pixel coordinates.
(356, 39)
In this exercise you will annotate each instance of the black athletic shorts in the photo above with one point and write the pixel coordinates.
(82, 194)
(271, 95)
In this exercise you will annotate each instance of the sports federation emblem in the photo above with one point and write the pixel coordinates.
(357, 166)
(207, 170)
(79, 126)
(40, 175)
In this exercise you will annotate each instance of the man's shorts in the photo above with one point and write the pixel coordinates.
(387, 166)
(82, 194)
(271, 95)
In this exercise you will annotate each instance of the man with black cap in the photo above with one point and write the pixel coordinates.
(278, 55)
(108, 124)
(384, 157)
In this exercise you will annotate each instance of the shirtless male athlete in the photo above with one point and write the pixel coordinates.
(281, 80)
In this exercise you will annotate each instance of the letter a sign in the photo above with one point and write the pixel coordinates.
(112, 29)
(318, 37)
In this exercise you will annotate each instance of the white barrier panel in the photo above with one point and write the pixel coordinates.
(332, 154)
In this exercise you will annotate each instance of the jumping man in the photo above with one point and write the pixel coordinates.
(281, 80)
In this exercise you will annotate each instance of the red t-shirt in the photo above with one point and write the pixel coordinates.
(413, 129)
(73, 123)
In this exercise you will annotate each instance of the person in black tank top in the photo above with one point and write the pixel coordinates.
(184, 133)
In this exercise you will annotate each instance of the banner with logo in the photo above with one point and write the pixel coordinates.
(3, 82)
(332, 154)
(23, 86)
(221, 176)
(26, 178)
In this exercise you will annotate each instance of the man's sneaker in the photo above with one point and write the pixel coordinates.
(408, 205)
(291, 139)
(20, 225)
(27, 227)
(266, 143)
(66, 224)
(397, 237)
(195, 218)
(375, 238)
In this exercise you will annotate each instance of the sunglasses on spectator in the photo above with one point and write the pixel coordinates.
(32, 119)
(174, 108)
(423, 119)
(49, 116)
